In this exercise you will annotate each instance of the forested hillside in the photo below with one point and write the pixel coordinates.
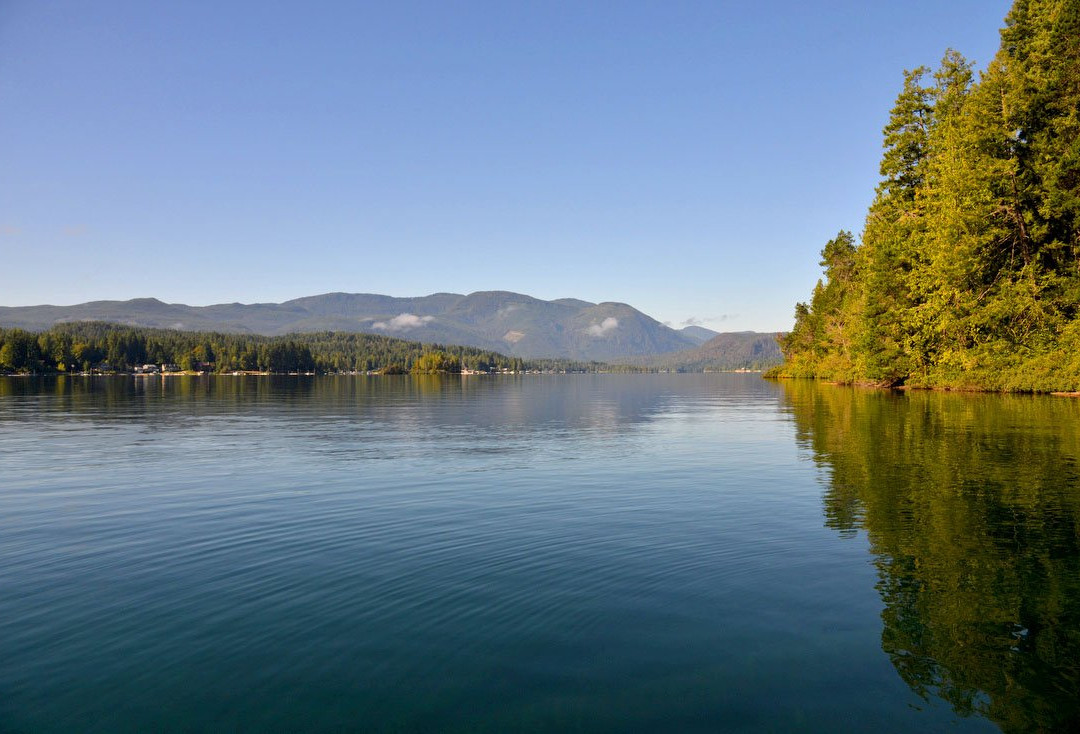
(967, 274)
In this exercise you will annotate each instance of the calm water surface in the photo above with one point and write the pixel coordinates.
(574, 553)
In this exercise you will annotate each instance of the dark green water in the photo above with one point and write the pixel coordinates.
(578, 553)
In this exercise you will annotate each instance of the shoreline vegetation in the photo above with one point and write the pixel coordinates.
(778, 373)
(967, 273)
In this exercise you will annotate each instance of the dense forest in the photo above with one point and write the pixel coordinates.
(80, 347)
(967, 274)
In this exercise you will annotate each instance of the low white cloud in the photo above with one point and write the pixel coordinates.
(403, 322)
(609, 324)
(705, 320)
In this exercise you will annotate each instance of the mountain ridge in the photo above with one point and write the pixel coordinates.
(732, 350)
(512, 323)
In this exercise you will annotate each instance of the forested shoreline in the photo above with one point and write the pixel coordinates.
(967, 273)
(100, 347)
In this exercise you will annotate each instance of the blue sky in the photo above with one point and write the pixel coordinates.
(688, 158)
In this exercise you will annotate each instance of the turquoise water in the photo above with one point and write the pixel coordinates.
(563, 553)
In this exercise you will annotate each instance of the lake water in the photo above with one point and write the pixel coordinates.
(540, 553)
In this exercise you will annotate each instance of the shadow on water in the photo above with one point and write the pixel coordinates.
(971, 504)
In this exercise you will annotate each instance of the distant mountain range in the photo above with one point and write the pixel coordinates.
(727, 351)
(698, 333)
(509, 323)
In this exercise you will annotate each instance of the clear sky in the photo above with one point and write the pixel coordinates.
(688, 158)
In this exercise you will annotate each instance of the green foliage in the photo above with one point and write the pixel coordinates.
(968, 270)
(430, 363)
(20, 352)
(820, 341)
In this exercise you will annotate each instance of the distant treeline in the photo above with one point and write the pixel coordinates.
(85, 346)
(967, 273)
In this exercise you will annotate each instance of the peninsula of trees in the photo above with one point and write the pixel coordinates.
(967, 274)
(86, 346)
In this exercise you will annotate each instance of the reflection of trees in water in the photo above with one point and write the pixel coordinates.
(604, 403)
(971, 504)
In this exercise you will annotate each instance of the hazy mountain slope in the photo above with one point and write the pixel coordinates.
(511, 323)
(136, 312)
(698, 333)
(610, 330)
(726, 351)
